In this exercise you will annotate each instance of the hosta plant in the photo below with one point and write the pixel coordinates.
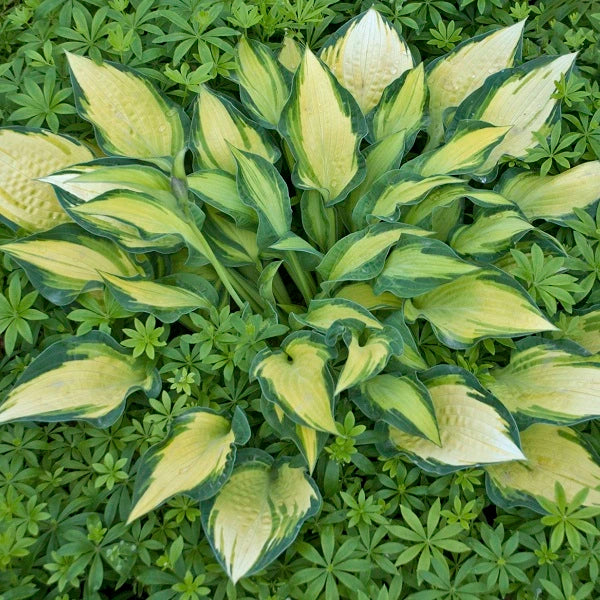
(344, 196)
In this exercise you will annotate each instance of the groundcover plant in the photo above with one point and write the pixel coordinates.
(342, 197)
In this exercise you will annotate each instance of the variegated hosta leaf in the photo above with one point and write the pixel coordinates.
(144, 222)
(181, 263)
(394, 190)
(411, 356)
(444, 219)
(324, 313)
(167, 302)
(261, 187)
(297, 379)
(452, 77)
(86, 378)
(402, 402)
(311, 444)
(257, 514)
(444, 199)
(233, 246)
(468, 149)
(402, 107)
(323, 127)
(417, 198)
(441, 208)
(360, 256)
(246, 280)
(290, 55)
(195, 459)
(419, 264)
(290, 242)
(500, 101)
(25, 156)
(309, 441)
(490, 233)
(368, 354)
(486, 303)
(267, 284)
(584, 328)
(219, 190)
(474, 427)
(553, 197)
(66, 261)
(299, 257)
(366, 55)
(554, 382)
(130, 117)
(488, 198)
(217, 125)
(137, 221)
(380, 158)
(318, 221)
(554, 454)
(362, 293)
(263, 87)
(87, 181)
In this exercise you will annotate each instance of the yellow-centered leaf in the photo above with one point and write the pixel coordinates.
(85, 378)
(553, 454)
(196, 459)
(323, 127)
(296, 377)
(26, 155)
(258, 512)
(130, 117)
(366, 55)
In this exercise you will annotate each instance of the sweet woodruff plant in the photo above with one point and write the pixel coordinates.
(343, 195)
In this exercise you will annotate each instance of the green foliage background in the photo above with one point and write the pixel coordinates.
(386, 531)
